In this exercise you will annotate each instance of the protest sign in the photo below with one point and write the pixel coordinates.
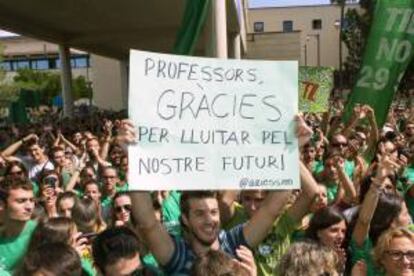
(387, 54)
(209, 124)
(315, 85)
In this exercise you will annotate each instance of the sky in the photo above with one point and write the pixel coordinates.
(285, 3)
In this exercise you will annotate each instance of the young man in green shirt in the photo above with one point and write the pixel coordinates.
(17, 230)
(268, 253)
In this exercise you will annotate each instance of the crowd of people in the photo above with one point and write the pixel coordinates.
(66, 208)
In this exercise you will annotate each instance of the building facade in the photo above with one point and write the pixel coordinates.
(309, 34)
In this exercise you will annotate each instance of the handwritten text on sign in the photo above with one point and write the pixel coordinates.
(212, 124)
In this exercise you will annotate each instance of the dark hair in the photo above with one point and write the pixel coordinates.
(104, 169)
(216, 263)
(114, 244)
(13, 164)
(65, 195)
(86, 215)
(367, 182)
(56, 258)
(52, 230)
(323, 219)
(388, 208)
(119, 194)
(14, 184)
(186, 196)
(34, 142)
(45, 174)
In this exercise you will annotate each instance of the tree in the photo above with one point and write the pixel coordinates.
(354, 35)
(8, 91)
(81, 88)
(48, 84)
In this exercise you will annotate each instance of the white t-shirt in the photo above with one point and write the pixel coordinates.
(34, 168)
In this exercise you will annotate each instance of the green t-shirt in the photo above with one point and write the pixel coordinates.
(66, 176)
(349, 167)
(331, 191)
(123, 188)
(36, 190)
(106, 201)
(151, 264)
(269, 252)
(364, 253)
(171, 213)
(87, 267)
(12, 250)
(317, 167)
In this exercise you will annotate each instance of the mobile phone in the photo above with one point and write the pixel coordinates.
(88, 236)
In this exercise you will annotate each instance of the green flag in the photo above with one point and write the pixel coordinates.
(193, 20)
(387, 54)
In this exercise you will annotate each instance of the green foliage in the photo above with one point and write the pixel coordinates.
(48, 84)
(8, 91)
(81, 88)
(355, 36)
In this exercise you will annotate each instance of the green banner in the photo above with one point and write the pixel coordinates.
(388, 51)
(192, 23)
(315, 85)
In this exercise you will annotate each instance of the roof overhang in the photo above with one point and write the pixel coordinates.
(104, 27)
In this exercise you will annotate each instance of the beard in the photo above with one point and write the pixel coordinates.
(203, 241)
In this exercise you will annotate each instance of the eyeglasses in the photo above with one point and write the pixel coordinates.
(108, 176)
(340, 144)
(126, 207)
(51, 181)
(396, 255)
(17, 173)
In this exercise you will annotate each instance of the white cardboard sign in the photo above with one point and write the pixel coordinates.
(210, 124)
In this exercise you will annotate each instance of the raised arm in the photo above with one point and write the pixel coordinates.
(366, 213)
(158, 240)
(345, 181)
(370, 202)
(106, 141)
(226, 201)
(374, 134)
(68, 143)
(309, 189)
(257, 228)
(10, 150)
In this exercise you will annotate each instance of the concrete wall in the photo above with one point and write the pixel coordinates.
(107, 82)
(274, 46)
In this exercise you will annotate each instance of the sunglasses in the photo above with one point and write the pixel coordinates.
(17, 173)
(51, 181)
(126, 207)
(343, 144)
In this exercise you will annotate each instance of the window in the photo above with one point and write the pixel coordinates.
(18, 64)
(40, 64)
(80, 62)
(288, 26)
(317, 24)
(6, 65)
(258, 27)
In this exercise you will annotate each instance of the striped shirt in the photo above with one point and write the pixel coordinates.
(183, 257)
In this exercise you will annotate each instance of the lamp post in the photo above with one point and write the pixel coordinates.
(318, 47)
(305, 47)
(338, 25)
